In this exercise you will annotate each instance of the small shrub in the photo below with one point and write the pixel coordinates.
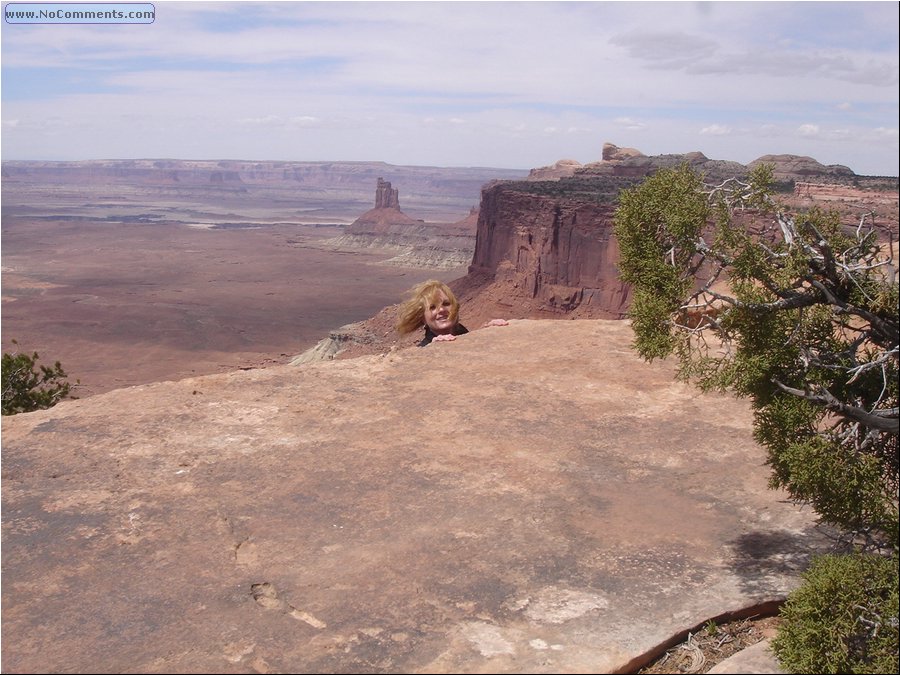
(27, 386)
(843, 619)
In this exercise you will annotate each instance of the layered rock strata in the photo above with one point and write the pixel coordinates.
(792, 167)
(416, 243)
(560, 169)
(443, 246)
(338, 340)
(268, 191)
(544, 247)
(555, 253)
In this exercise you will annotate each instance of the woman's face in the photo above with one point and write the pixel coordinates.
(437, 314)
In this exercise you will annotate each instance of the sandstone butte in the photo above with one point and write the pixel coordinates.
(415, 242)
(527, 498)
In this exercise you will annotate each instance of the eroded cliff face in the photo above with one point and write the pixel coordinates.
(437, 246)
(559, 252)
(542, 249)
(544, 246)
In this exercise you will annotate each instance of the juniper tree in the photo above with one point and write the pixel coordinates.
(799, 315)
(28, 386)
(790, 310)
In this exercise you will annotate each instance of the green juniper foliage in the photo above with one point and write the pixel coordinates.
(787, 310)
(27, 386)
(843, 619)
(799, 315)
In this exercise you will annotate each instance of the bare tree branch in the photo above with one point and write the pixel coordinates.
(882, 420)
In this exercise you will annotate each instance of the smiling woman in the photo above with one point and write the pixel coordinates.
(431, 304)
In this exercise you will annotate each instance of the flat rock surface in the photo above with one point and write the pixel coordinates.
(528, 498)
(755, 659)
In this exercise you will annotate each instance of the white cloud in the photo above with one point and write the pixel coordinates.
(809, 130)
(665, 49)
(267, 121)
(630, 124)
(305, 121)
(716, 130)
(885, 134)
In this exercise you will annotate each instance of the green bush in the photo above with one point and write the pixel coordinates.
(27, 386)
(843, 619)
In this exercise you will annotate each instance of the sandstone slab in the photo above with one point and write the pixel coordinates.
(528, 498)
(755, 659)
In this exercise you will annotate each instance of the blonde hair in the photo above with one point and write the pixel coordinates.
(412, 311)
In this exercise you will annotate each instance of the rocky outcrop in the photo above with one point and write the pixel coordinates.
(217, 177)
(629, 163)
(445, 246)
(305, 520)
(793, 167)
(547, 247)
(416, 243)
(561, 169)
(386, 197)
(557, 254)
(338, 340)
(385, 214)
(613, 153)
(384, 226)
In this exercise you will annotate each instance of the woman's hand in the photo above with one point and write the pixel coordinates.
(495, 322)
(443, 338)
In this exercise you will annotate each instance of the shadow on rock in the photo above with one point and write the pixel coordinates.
(763, 558)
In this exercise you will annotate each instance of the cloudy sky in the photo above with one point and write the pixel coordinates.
(501, 84)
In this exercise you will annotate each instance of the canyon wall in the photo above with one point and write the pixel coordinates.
(557, 253)
(449, 181)
(543, 249)
(544, 245)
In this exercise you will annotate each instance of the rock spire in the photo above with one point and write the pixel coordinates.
(386, 197)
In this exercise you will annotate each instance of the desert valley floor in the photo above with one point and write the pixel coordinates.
(120, 304)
